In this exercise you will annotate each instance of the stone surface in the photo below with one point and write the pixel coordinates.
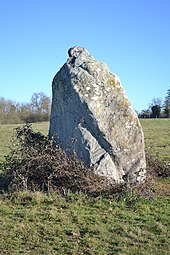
(92, 116)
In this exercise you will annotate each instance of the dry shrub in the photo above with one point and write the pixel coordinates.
(156, 167)
(36, 163)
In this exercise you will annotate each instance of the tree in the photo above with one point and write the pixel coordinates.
(156, 101)
(26, 113)
(40, 106)
(37, 110)
(156, 111)
(9, 112)
(167, 104)
(156, 107)
(146, 113)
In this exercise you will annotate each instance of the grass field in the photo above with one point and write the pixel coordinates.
(157, 137)
(34, 223)
(156, 131)
(37, 224)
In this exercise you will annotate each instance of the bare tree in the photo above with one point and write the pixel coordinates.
(37, 110)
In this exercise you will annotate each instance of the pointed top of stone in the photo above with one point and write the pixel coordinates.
(76, 51)
(77, 55)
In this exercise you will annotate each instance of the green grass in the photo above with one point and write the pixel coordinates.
(37, 224)
(34, 223)
(156, 131)
(157, 137)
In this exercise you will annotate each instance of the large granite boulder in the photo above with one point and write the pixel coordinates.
(92, 116)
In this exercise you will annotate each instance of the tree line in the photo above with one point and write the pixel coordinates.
(38, 109)
(157, 108)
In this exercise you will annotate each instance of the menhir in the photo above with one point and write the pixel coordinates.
(92, 116)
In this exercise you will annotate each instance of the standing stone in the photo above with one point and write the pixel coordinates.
(92, 116)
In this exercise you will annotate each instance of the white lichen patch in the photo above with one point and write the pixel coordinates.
(95, 98)
(98, 70)
(125, 97)
(128, 124)
(87, 88)
(117, 85)
(108, 89)
(97, 92)
(77, 89)
(98, 105)
(96, 86)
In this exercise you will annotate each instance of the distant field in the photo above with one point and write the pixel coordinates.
(157, 136)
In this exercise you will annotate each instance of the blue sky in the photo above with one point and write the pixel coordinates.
(131, 36)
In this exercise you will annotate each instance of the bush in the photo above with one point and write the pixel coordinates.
(156, 167)
(36, 163)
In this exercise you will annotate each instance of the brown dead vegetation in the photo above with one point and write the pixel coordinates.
(37, 164)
